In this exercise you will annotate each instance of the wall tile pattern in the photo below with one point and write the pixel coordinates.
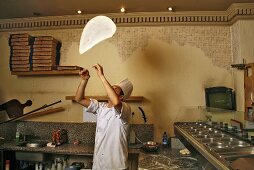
(84, 132)
(8, 130)
(214, 41)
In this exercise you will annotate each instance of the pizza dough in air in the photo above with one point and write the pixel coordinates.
(96, 30)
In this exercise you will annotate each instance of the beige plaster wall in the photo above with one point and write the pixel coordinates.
(247, 40)
(242, 43)
(170, 66)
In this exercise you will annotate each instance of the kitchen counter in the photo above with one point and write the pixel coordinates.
(164, 158)
(62, 149)
(44, 154)
(68, 149)
(168, 158)
(83, 132)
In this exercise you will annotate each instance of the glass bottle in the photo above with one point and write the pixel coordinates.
(7, 165)
(165, 139)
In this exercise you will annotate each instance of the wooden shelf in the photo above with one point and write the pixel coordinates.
(104, 98)
(51, 72)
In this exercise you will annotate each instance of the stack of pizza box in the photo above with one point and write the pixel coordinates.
(20, 52)
(46, 53)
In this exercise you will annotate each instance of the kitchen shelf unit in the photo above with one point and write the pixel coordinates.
(104, 98)
(51, 72)
(249, 92)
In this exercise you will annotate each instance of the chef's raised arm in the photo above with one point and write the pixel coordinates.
(80, 93)
(113, 93)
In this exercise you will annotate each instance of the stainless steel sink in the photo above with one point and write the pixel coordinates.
(32, 156)
(33, 143)
(36, 144)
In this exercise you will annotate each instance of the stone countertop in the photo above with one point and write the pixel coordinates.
(164, 158)
(62, 149)
(168, 158)
(68, 149)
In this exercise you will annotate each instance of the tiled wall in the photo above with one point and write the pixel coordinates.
(214, 41)
(8, 130)
(84, 132)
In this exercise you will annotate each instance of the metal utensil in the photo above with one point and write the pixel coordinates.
(143, 114)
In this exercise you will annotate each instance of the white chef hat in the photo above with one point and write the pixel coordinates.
(126, 87)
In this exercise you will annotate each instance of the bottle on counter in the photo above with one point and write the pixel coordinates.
(132, 136)
(53, 166)
(41, 166)
(17, 137)
(64, 164)
(165, 139)
(7, 165)
(59, 163)
(36, 166)
(132, 132)
(59, 166)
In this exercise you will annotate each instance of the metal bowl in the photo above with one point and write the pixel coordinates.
(36, 144)
(151, 146)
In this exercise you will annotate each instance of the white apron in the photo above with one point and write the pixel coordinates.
(111, 147)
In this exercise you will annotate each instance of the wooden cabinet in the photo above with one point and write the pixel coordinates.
(249, 91)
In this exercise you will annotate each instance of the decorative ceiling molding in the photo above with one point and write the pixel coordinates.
(228, 17)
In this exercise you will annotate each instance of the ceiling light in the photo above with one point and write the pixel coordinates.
(122, 9)
(79, 11)
(170, 8)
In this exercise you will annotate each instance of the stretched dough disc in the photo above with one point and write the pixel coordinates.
(96, 30)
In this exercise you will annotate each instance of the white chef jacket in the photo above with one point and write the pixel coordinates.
(111, 147)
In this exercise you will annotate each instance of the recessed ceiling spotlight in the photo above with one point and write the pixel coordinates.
(122, 9)
(170, 8)
(79, 11)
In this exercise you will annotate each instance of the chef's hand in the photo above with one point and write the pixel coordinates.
(84, 74)
(99, 70)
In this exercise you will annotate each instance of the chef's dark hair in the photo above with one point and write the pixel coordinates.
(121, 93)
